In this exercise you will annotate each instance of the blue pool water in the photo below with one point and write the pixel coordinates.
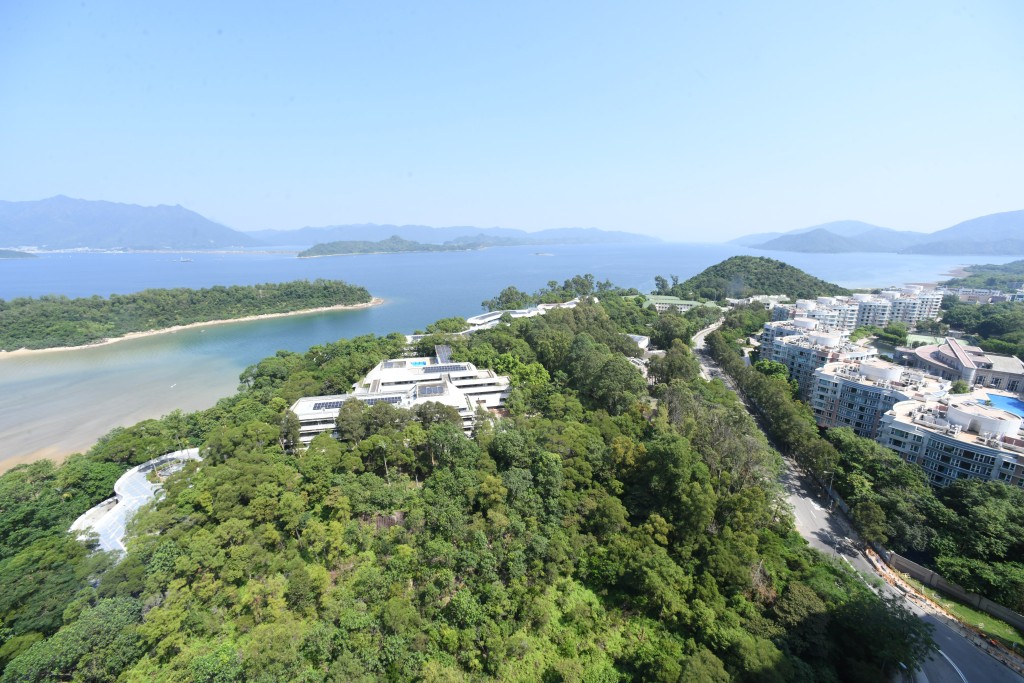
(418, 363)
(1009, 404)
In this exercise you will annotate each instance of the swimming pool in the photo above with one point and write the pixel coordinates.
(1009, 404)
(417, 363)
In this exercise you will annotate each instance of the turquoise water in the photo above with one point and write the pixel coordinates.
(1009, 404)
(55, 403)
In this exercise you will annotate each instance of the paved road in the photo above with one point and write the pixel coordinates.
(958, 660)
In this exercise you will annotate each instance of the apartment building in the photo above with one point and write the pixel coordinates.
(805, 353)
(975, 435)
(856, 394)
(908, 305)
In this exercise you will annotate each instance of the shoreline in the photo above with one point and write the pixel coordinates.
(955, 272)
(375, 301)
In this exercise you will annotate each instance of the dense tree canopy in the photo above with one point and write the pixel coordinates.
(52, 321)
(742, 276)
(1000, 326)
(1007, 277)
(601, 530)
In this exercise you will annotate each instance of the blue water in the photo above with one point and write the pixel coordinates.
(95, 389)
(1009, 404)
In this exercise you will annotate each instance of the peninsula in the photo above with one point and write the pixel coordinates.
(55, 322)
(14, 253)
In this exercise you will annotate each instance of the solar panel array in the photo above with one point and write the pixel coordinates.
(437, 390)
(445, 368)
(383, 399)
(327, 405)
(388, 364)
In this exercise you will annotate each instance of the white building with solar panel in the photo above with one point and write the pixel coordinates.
(406, 383)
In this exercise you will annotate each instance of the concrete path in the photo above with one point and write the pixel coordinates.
(133, 490)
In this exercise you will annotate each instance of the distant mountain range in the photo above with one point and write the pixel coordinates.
(65, 223)
(998, 233)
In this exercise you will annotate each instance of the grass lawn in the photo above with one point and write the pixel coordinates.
(986, 623)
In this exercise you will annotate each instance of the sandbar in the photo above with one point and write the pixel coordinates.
(375, 301)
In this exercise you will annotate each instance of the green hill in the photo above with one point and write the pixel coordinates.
(1007, 276)
(743, 276)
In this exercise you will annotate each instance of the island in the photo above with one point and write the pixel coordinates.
(391, 245)
(51, 322)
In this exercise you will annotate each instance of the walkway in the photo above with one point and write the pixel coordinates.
(133, 490)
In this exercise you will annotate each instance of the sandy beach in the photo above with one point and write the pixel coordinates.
(375, 301)
(958, 271)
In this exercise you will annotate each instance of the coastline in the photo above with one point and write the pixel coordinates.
(375, 301)
(955, 272)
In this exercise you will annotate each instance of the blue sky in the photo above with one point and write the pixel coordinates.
(689, 121)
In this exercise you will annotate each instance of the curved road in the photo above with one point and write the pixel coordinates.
(958, 659)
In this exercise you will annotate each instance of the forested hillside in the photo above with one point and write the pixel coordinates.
(1008, 277)
(742, 276)
(999, 327)
(52, 321)
(601, 531)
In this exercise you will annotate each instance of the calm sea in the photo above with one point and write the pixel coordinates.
(57, 403)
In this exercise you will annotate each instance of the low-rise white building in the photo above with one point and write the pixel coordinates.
(486, 321)
(406, 383)
(954, 360)
(663, 302)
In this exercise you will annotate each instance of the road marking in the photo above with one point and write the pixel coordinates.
(955, 667)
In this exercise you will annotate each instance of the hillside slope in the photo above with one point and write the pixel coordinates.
(743, 276)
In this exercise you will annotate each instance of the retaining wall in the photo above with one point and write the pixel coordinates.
(935, 580)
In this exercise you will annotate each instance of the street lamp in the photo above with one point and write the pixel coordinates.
(831, 475)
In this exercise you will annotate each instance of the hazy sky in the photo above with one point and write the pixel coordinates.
(690, 121)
